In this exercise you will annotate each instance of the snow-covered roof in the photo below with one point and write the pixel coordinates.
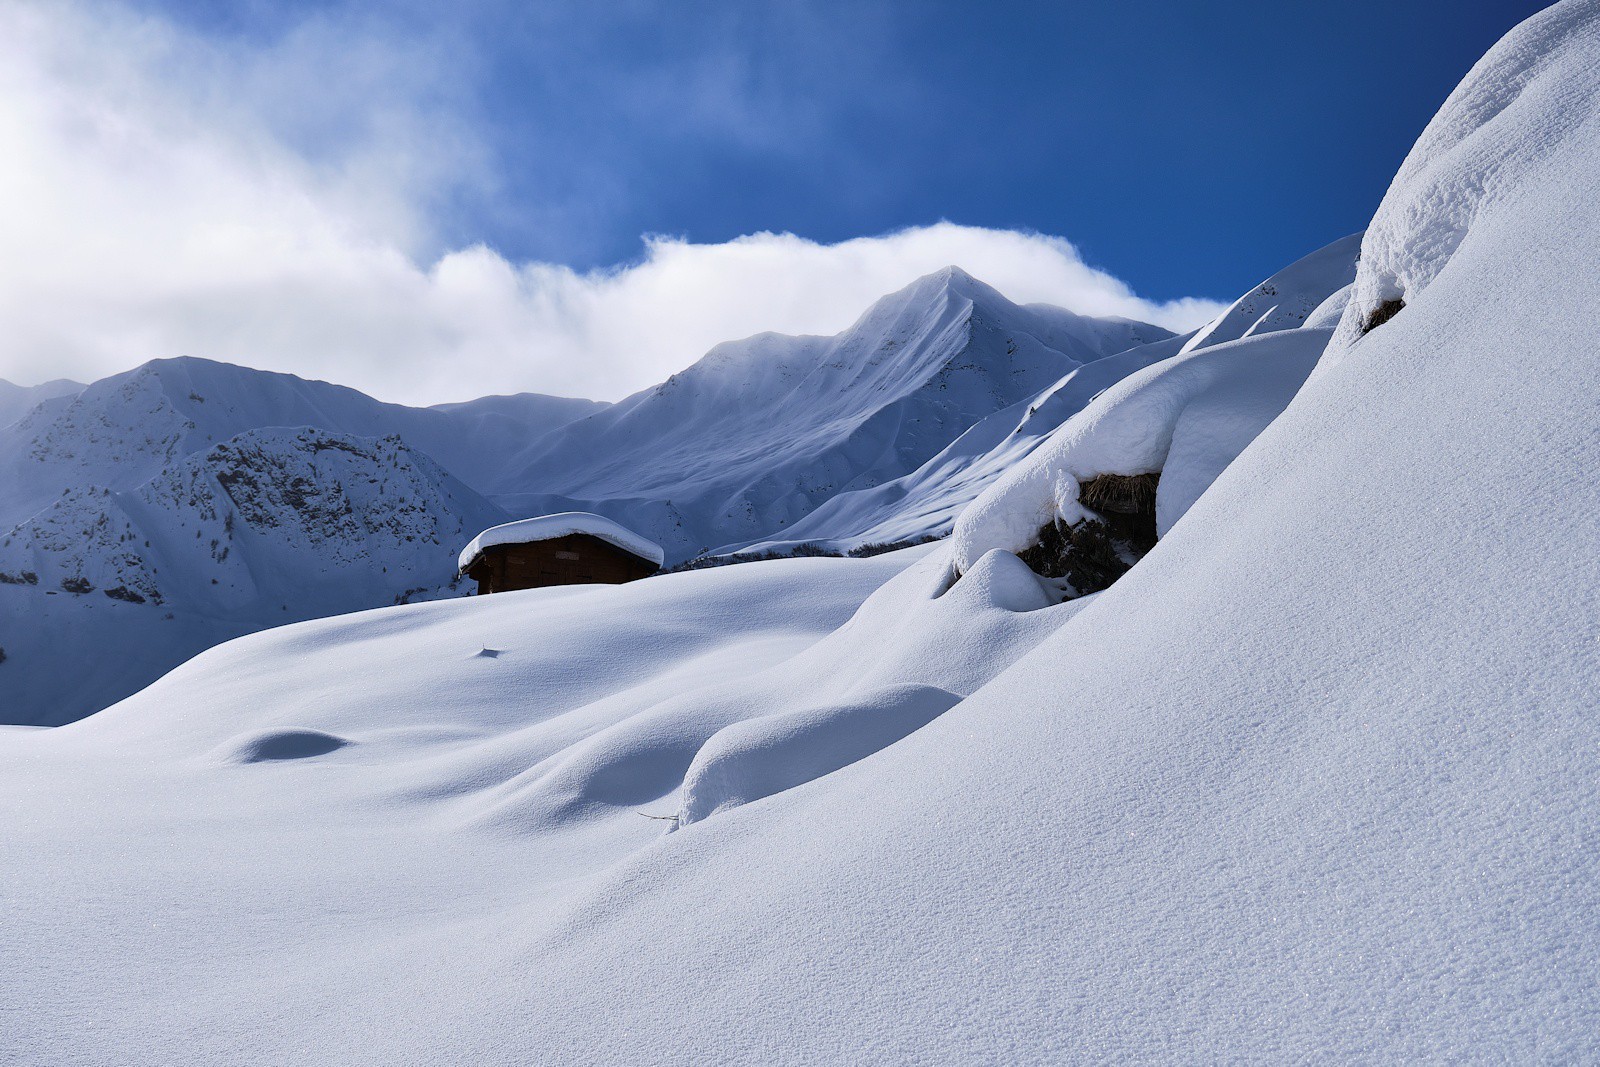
(548, 527)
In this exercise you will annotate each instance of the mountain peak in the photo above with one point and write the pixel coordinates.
(949, 280)
(953, 275)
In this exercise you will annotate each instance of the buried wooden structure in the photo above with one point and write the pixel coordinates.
(573, 548)
(576, 559)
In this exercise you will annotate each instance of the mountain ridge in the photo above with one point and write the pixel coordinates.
(916, 370)
(194, 493)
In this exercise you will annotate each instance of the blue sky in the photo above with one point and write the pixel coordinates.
(1189, 148)
(429, 201)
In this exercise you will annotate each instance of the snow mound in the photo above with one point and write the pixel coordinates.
(549, 527)
(278, 745)
(759, 757)
(1518, 113)
(1186, 418)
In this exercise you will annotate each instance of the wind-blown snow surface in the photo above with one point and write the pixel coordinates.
(1315, 779)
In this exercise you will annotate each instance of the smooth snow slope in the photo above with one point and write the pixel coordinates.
(1316, 779)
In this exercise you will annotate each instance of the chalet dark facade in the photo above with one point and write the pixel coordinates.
(572, 559)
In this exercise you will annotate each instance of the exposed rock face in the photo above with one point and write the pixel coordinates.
(84, 541)
(1382, 314)
(1127, 503)
(1092, 553)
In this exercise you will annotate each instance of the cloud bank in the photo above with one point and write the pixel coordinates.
(165, 194)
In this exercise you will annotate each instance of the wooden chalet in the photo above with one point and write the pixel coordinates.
(573, 548)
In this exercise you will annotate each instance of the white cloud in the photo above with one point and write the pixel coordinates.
(160, 195)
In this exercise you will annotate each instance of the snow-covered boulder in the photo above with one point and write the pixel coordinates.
(1186, 419)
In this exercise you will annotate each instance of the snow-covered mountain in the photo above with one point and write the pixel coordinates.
(1316, 779)
(270, 526)
(17, 400)
(218, 500)
(762, 431)
(123, 430)
(927, 501)
(154, 513)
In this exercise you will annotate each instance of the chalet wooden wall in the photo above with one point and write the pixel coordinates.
(576, 559)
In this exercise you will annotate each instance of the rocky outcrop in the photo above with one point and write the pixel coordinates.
(1095, 551)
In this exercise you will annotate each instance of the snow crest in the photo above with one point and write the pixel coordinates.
(1517, 110)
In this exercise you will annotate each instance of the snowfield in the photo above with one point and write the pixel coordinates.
(1318, 778)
